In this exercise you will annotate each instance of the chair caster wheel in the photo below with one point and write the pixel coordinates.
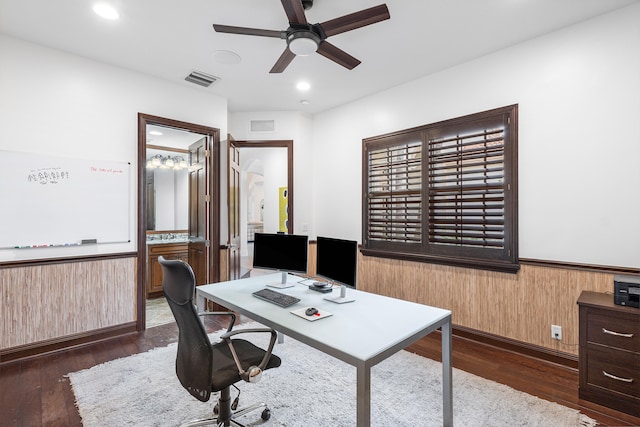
(266, 414)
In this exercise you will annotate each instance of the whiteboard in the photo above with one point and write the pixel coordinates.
(50, 201)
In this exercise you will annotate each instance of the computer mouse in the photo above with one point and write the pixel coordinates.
(311, 311)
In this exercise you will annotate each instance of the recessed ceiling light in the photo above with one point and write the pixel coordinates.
(155, 132)
(303, 86)
(106, 11)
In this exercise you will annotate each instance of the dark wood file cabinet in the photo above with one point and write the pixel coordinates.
(609, 353)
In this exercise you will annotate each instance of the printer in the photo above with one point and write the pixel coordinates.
(626, 290)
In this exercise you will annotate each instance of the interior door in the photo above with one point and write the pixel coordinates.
(199, 199)
(234, 211)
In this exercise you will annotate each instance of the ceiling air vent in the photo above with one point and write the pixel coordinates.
(262, 126)
(201, 79)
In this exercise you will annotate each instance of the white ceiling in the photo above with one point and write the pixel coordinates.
(169, 39)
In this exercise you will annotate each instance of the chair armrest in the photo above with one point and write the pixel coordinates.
(267, 355)
(221, 313)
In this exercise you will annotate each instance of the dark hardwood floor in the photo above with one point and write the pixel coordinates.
(35, 392)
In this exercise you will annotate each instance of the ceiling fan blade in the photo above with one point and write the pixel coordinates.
(355, 20)
(283, 62)
(337, 55)
(249, 31)
(294, 11)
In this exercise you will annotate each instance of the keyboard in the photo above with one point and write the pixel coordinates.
(274, 297)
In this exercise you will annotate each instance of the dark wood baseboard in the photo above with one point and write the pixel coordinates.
(541, 353)
(526, 349)
(24, 352)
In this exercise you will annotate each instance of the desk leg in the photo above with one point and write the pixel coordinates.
(200, 303)
(363, 411)
(447, 389)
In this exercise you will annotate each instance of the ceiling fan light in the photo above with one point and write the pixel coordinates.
(303, 43)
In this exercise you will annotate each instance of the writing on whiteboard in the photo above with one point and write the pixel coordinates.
(105, 170)
(48, 176)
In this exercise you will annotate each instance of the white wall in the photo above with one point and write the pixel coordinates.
(56, 103)
(578, 91)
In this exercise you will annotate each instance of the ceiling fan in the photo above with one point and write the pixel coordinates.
(304, 38)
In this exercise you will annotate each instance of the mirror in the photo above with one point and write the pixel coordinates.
(167, 178)
(167, 190)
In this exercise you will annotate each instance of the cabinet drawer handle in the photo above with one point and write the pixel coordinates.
(613, 377)
(617, 334)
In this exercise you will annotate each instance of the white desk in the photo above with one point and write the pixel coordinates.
(361, 333)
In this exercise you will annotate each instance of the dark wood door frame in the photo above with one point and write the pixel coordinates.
(213, 135)
(288, 144)
(233, 202)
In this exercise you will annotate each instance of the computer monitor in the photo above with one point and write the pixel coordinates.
(337, 261)
(282, 252)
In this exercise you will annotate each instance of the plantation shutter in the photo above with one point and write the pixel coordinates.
(394, 202)
(466, 189)
(445, 193)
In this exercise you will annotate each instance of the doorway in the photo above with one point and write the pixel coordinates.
(199, 243)
(252, 161)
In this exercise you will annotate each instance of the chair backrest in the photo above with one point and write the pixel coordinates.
(194, 358)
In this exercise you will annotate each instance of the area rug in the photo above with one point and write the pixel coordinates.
(310, 388)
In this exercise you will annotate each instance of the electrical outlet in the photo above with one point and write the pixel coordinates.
(556, 332)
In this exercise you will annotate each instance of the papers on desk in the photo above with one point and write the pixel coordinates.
(319, 315)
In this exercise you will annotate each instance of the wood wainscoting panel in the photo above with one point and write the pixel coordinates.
(224, 264)
(311, 258)
(49, 301)
(520, 307)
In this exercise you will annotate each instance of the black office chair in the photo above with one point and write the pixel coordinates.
(204, 367)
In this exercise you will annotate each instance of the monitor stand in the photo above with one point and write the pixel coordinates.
(283, 283)
(342, 298)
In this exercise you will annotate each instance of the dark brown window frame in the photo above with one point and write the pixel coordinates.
(445, 193)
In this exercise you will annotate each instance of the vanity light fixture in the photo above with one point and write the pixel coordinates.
(167, 162)
(156, 161)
